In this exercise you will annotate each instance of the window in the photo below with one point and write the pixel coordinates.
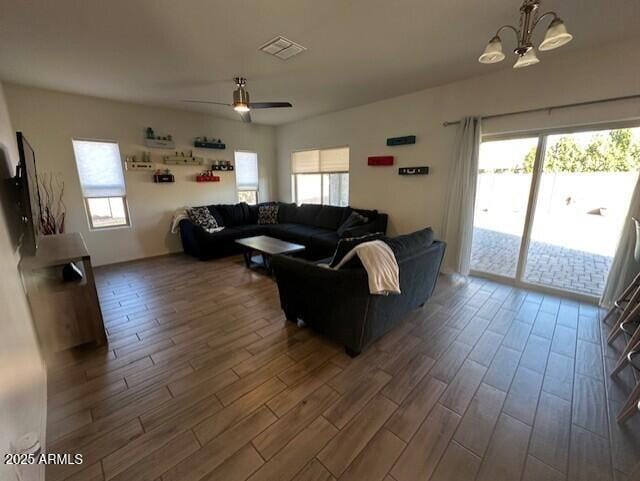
(321, 176)
(102, 181)
(247, 176)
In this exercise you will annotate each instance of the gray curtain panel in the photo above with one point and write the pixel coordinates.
(457, 223)
(625, 266)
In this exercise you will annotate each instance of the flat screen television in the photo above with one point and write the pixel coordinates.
(28, 196)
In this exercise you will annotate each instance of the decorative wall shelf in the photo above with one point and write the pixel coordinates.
(201, 144)
(163, 178)
(381, 160)
(413, 171)
(182, 160)
(132, 165)
(406, 140)
(207, 178)
(160, 143)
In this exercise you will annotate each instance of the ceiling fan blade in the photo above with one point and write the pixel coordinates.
(206, 102)
(245, 116)
(269, 105)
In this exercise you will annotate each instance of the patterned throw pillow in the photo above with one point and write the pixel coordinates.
(202, 217)
(268, 214)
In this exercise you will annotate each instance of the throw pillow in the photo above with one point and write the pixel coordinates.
(268, 214)
(202, 216)
(345, 245)
(353, 220)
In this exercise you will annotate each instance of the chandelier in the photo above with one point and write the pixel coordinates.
(556, 36)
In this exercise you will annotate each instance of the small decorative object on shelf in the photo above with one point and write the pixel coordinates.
(207, 176)
(413, 171)
(381, 160)
(163, 176)
(205, 143)
(222, 165)
(406, 140)
(132, 162)
(180, 158)
(158, 141)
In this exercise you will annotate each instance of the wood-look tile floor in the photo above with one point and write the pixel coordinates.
(203, 378)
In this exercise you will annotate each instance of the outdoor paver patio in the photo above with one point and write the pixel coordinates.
(547, 264)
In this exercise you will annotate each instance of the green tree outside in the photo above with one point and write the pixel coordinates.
(615, 152)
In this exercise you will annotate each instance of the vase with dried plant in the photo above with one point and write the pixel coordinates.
(52, 207)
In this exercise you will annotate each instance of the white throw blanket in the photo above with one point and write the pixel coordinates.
(381, 266)
(181, 214)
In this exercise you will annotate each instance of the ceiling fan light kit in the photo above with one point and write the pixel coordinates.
(241, 103)
(556, 36)
(241, 96)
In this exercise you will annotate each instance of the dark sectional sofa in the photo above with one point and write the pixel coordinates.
(314, 226)
(337, 303)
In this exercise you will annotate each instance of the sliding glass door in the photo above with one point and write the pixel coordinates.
(502, 198)
(550, 208)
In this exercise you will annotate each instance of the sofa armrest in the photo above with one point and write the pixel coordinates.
(190, 234)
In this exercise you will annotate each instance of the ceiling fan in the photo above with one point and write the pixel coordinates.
(241, 103)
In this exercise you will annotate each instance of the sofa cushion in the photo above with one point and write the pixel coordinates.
(253, 214)
(306, 214)
(234, 214)
(287, 213)
(298, 233)
(268, 214)
(407, 244)
(324, 242)
(329, 217)
(226, 235)
(216, 215)
(345, 246)
(250, 230)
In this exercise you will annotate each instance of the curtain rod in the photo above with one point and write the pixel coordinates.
(542, 109)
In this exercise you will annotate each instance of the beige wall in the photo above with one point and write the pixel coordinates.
(51, 119)
(415, 202)
(22, 375)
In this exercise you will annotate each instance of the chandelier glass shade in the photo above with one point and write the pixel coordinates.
(555, 36)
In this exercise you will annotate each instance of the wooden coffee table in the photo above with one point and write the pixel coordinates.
(265, 247)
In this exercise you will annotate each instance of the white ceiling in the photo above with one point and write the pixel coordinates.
(359, 51)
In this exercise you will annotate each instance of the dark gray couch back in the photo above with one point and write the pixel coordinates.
(325, 216)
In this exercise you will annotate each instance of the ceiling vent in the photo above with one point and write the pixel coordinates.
(283, 48)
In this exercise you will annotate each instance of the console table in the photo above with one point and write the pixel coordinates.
(66, 314)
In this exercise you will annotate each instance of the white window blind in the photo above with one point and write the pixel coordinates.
(246, 170)
(316, 161)
(99, 168)
(306, 162)
(334, 160)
